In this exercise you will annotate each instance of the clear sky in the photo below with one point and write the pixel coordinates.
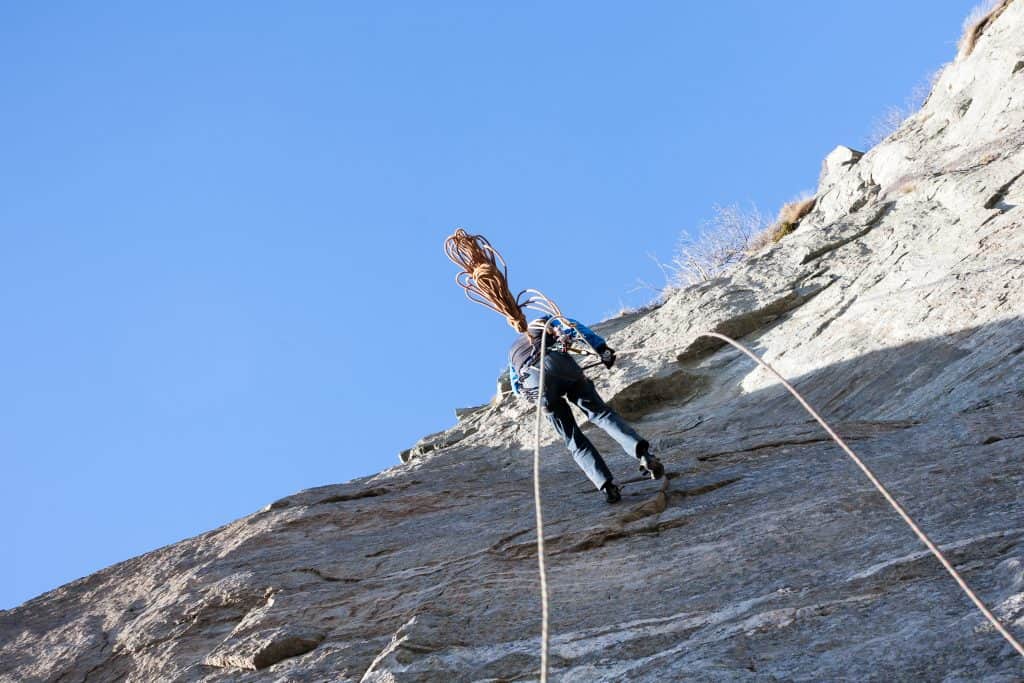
(221, 268)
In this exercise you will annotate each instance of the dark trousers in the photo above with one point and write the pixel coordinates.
(564, 380)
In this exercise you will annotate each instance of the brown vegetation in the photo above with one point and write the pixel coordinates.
(979, 20)
(729, 237)
(789, 216)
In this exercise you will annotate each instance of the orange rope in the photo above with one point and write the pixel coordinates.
(484, 276)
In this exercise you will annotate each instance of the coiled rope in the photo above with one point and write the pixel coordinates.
(842, 444)
(483, 281)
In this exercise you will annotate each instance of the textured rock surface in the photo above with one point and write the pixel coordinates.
(897, 306)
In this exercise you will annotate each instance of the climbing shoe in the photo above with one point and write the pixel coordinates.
(611, 493)
(651, 466)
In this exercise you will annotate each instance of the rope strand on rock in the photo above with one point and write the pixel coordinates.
(842, 444)
(544, 599)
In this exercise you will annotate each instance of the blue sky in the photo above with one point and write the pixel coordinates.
(222, 277)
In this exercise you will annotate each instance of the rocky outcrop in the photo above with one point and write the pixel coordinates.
(897, 307)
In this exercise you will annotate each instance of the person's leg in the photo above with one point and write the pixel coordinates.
(583, 452)
(584, 395)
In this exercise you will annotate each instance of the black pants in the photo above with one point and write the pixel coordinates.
(564, 380)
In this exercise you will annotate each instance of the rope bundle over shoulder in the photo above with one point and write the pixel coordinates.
(484, 278)
(481, 277)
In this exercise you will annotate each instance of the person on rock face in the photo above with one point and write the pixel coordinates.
(564, 379)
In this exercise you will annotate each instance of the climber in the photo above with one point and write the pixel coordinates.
(564, 379)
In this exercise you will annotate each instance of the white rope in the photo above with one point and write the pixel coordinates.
(842, 444)
(540, 519)
(885, 493)
(555, 315)
(544, 624)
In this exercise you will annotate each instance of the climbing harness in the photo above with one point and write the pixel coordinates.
(842, 444)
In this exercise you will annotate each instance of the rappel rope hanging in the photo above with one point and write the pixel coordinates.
(934, 549)
(484, 278)
(486, 283)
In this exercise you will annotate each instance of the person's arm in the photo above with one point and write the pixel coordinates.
(596, 342)
(593, 338)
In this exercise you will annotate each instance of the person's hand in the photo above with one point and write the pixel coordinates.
(608, 356)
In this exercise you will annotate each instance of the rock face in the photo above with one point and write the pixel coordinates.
(897, 307)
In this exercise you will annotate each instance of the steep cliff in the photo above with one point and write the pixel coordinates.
(897, 306)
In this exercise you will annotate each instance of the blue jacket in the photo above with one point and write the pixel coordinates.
(526, 350)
